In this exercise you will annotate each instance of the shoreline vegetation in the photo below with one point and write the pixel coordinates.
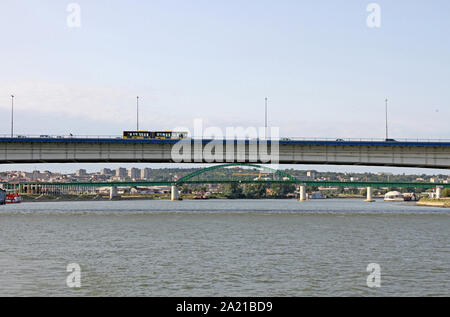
(97, 197)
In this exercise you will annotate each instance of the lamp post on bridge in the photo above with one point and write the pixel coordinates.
(137, 113)
(387, 134)
(12, 116)
(265, 133)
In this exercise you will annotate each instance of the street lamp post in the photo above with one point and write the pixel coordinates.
(12, 116)
(265, 136)
(387, 134)
(137, 113)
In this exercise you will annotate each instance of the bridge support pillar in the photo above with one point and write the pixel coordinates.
(174, 193)
(439, 192)
(302, 193)
(370, 195)
(113, 195)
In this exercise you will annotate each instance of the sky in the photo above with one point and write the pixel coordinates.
(325, 71)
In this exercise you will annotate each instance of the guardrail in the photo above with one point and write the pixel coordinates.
(45, 136)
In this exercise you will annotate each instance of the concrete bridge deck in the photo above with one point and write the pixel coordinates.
(421, 154)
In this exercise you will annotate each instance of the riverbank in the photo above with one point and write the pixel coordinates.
(50, 198)
(442, 203)
(61, 198)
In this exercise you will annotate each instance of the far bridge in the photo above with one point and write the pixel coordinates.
(277, 177)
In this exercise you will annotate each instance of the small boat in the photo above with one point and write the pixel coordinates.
(200, 197)
(394, 196)
(411, 197)
(317, 195)
(13, 198)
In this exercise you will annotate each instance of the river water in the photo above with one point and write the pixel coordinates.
(224, 248)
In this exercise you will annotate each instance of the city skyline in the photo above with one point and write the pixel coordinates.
(92, 167)
(145, 173)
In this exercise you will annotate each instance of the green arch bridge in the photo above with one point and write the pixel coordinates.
(282, 178)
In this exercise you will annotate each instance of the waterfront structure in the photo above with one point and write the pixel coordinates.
(113, 194)
(316, 195)
(302, 193)
(370, 195)
(174, 193)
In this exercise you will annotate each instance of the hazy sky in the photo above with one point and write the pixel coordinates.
(326, 72)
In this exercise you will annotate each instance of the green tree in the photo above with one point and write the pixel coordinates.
(446, 192)
(255, 191)
(282, 190)
(185, 189)
(233, 191)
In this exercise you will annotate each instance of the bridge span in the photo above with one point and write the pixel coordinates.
(420, 154)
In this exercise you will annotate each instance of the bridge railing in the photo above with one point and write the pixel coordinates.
(56, 136)
(281, 139)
